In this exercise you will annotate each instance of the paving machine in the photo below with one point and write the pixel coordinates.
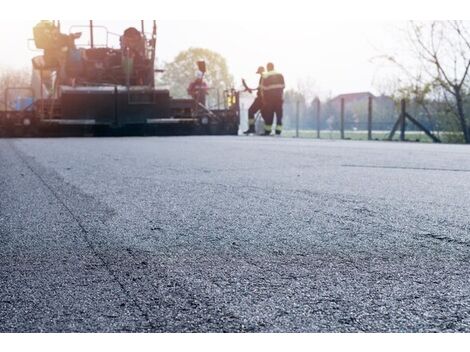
(103, 88)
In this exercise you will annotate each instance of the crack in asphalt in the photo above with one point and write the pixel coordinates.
(443, 239)
(85, 236)
(404, 168)
(188, 297)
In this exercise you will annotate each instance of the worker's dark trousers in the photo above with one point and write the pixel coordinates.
(254, 108)
(273, 107)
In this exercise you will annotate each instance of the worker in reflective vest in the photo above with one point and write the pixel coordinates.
(272, 89)
(257, 103)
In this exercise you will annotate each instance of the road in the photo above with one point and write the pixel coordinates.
(233, 234)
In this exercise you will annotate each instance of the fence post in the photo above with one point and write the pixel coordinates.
(218, 100)
(342, 118)
(297, 117)
(403, 120)
(92, 42)
(369, 120)
(242, 115)
(317, 100)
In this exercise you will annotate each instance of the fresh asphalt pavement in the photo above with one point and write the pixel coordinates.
(233, 234)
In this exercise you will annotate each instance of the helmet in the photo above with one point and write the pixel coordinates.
(260, 70)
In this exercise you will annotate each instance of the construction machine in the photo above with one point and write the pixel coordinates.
(106, 89)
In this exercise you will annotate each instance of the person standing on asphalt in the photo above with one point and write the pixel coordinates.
(257, 104)
(198, 89)
(272, 86)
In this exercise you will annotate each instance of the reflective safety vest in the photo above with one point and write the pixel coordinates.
(272, 82)
(260, 88)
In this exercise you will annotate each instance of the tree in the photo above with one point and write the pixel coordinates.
(12, 79)
(307, 86)
(179, 73)
(295, 99)
(442, 53)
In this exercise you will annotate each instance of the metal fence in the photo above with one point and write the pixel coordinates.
(370, 118)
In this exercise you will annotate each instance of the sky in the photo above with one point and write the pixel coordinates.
(329, 57)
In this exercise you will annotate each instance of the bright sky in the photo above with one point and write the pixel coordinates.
(332, 56)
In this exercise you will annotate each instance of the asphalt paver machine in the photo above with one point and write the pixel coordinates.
(105, 88)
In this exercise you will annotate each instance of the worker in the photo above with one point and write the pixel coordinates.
(133, 60)
(198, 89)
(257, 104)
(56, 45)
(272, 86)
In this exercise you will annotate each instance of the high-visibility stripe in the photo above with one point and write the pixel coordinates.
(279, 128)
(274, 86)
(268, 128)
(272, 81)
(270, 73)
(251, 122)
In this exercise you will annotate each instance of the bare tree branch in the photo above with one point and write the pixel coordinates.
(442, 53)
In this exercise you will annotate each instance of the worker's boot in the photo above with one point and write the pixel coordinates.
(267, 129)
(250, 130)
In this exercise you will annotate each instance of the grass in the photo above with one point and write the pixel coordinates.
(413, 136)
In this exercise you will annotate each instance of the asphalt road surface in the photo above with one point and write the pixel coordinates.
(233, 234)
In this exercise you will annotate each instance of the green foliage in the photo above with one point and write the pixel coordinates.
(456, 137)
(418, 92)
(427, 102)
(179, 73)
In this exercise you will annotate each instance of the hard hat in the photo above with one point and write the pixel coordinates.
(260, 70)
